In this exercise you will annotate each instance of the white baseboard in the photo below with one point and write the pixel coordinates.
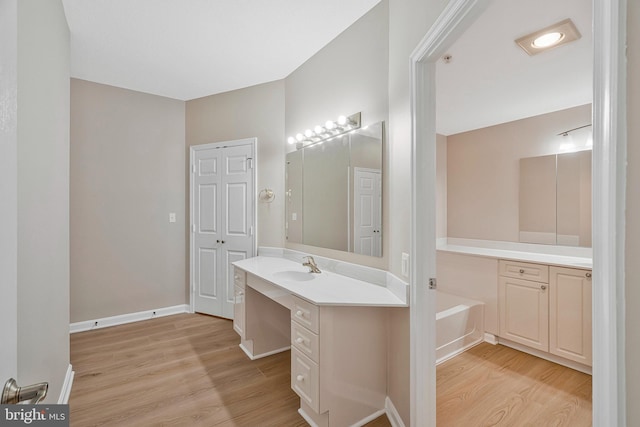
(260, 356)
(65, 392)
(121, 319)
(490, 338)
(392, 413)
(547, 356)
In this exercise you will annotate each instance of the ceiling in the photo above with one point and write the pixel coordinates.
(186, 49)
(490, 80)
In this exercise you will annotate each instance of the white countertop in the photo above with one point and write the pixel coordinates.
(326, 288)
(515, 251)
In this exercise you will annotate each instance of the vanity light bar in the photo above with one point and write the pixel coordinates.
(331, 129)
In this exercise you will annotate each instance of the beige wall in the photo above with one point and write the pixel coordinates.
(632, 255)
(409, 21)
(483, 171)
(441, 186)
(348, 75)
(9, 188)
(256, 111)
(127, 175)
(42, 104)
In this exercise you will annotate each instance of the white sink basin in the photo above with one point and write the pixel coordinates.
(294, 276)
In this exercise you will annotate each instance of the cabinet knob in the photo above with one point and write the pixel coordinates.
(240, 293)
(543, 287)
(299, 340)
(521, 271)
(222, 241)
(300, 378)
(218, 241)
(299, 313)
(588, 275)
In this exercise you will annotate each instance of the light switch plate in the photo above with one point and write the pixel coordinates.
(172, 217)
(405, 264)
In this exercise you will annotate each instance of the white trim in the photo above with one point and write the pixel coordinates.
(122, 319)
(254, 150)
(307, 418)
(490, 338)
(261, 355)
(546, 356)
(370, 418)
(456, 17)
(609, 186)
(65, 391)
(392, 413)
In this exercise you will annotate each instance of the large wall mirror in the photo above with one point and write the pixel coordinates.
(334, 193)
(555, 199)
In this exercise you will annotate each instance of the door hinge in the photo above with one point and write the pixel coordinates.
(193, 228)
(433, 283)
(251, 231)
(193, 168)
(250, 163)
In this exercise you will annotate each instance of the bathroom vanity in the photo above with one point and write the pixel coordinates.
(335, 326)
(537, 298)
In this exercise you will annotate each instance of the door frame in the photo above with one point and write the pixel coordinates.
(608, 206)
(254, 205)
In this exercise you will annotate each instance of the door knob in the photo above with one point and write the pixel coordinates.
(32, 394)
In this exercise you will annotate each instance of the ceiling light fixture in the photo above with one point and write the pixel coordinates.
(331, 129)
(555, 35)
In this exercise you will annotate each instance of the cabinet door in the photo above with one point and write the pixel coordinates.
(238, 310)
(570, 314)
(524, 312)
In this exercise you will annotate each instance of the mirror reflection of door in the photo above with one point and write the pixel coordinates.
(367, 224)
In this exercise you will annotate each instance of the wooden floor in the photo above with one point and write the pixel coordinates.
(182, 370)
(497, 386)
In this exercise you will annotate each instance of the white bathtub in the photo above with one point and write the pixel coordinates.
(459, 325)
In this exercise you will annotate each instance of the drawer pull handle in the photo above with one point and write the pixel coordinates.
(300, 378)
(543, 287)
(521, 271)
(240, 293)
(299, 340)
(299, 313)
(588, 275)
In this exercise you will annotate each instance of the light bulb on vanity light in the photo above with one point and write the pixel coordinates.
(329, 125)
(291, 140)
(319, 130)
(300, 137)
(308, 133)
(342, 120)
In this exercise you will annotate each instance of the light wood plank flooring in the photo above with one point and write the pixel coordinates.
(182, 370)
(497, 386)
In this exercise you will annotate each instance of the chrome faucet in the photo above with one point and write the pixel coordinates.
(308, 261)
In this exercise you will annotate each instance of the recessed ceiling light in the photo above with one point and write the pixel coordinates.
(555, 35)
(548, 39)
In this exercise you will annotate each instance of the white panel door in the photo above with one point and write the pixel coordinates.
(208, 298)
(367, 212)
(223, 221)
(237, 216)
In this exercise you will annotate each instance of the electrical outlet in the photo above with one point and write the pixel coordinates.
(405, 264)
(172, 217)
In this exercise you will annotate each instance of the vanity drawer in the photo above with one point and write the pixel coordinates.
(306, 314)
(305, 379)
(305, 341)
(524, 270)
(239, 277)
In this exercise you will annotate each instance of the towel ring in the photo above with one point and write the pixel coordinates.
(267, 195)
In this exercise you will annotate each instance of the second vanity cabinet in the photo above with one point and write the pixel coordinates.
(547, 308)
